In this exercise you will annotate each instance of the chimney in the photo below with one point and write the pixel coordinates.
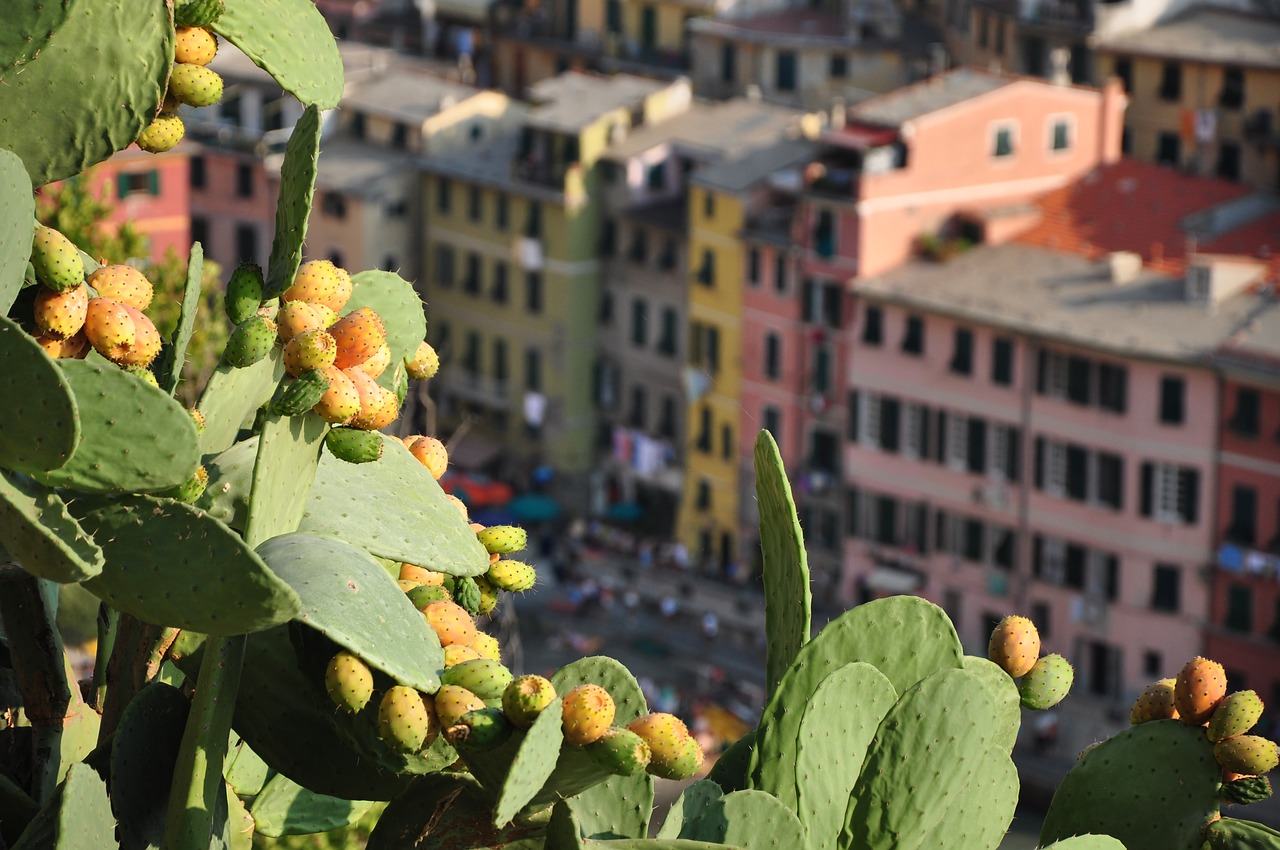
(1060, 66)
(1125, 266)
(839, 113)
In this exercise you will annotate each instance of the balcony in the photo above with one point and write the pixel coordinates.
(484, 389)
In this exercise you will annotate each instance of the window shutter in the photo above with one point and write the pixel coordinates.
(1037, 556)
(923, 434)
(1148, 488)
(1112, 567)
(854, 398)
(1013, 454)
(855, 512)
(1042, 371)
(1039, 473)
(977, 445)
(889, 423)
(806, 301)
(941, 454)
(153, 182)
(122, 186)
(1189, 495)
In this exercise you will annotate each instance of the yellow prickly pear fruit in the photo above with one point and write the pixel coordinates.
(404, 721)
(453, 701)
(1200, 686)
(320, 282)
(1014, 645)
(1154, 703)
(377, 363)
(431, 453)
(488, 596)
(123, 283)
(486, 646)
(587, 713)
(421, 575)
(309, 350)
(456, 653)
(1251, 755)
(349, 682)
(1235, 715)
(162, 134)
(194, 46)
(525, 697)
(425, 363)
(298, 317)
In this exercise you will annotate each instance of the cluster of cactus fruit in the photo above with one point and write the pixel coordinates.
(292, 610)
(190, 82)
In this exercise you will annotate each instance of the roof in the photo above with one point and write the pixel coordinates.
(714, 127)
(351, 166)
(812, 27)
(1070, 298)
(407, 95)
(488, 164)
(672, 215)
(1206, 35)
(571, 101)
(739, 173)
(908, 103)
(1130, 206)
(1254, 349)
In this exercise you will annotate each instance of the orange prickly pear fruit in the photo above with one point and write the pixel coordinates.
(123, 283)
(1200, 686)
(146, 340)
(421, 575)
(341, 401)
(109, 328)
(431, 453)
(194, 46)
(376, 364)
(456, 653)
(451, 623)
(320, 282)
(359, 335)
(379, 406)
(1014, 645)
(453, 701)
(61, 314)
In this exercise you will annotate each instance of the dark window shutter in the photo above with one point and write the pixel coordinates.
(855, 512)
(977, 459)
(922, 528)
(1079, 373)
(1039, 474)
(806, 301)
(1148, 487)
(1037, 555)
(1189, 491)
(831, 311)
(853, 414)
(1077, 473)
(925, 419)
(1076, 558)
(1042, 371)
(1113, 576)
(1013, 454)
(889, 417)
(941, 454)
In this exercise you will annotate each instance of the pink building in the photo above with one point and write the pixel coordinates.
(149, 192)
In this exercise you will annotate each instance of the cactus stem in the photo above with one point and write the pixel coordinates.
(108, 620)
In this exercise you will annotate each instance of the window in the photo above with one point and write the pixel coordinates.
(475, 203)
(196, 172)
(500, 364)
(246, 243)
(1232, 95)
(667, 258)
(1006, 452)
(444, 265)
(533, 223)
(785, 72)
(639, 252)
(1113, 384)
(1173, 392)
(1123, 68)
(1244, 515)
(613, 16)
(976, 454)
(771, 421)
(839, 68)
(824, 451)
(1170, 493)
(444, 194)
(728, 62)
(639, 407)
(471, 282)
(1003, 141)
(657, 177)
(667, 417)
(872, 325)
(639, 323)
(955, 443)
(608, 237)
(1168, 148)
(726, 442)
(1002, 361)
(668, 332)
(822, 369)
(915, 431)
(357, 125)
(1228, 160)
(704, 347)
(532, 370)
(1060, 135)
(1171, 82)
(822, 302)
(885, 524)
(244, 180)
(471, 354)
(973, 537)
(913, 338)
(703, 502)
(708, 205)
(703, 440)
(400, 136)
(753, 266)
(499, 291)
(1040, 616)
(1244, 420)
(780, 273)
(502, 213)
(1079, 380)
(962, 354)
(533, 292)
(1152, 662)
(772, 356)
(200, 232)
(1239, 608)
(1110, 479)
(824, 234)
(333, 205)
(707, 271)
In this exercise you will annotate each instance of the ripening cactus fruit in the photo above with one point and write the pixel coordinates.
(249, 342)
(480, 729)
(512, 575)
(673, 752)
(341, 402)
(61, 314)
(456, 653)
(1235, 715)
(162, 134)
(194, 46)
(1014, 645)
(378, 405)
(1246, 790)
(1249, 755)
(1046, 683)
(503, 539)
(404, 721)
(109, 328)
(298, 317)
(146, 340)
(488, 596)
(431, 453)
(486, 646)
(309, 350)
(320, 282)
(56, 259)
(1154, 703)
(424, 594)
(244, 293)
(466, 593)
(195, 85)
(377, 362)
(296, 397)
(485, 678)
(358, 334)
(421, 575)
(1200, 686)
(349, 682)
(452, 702)
(621, 752)
(193, 488)
(450, 622)
(682, 764)
(425, 362)
(587, 712)
(525, 698)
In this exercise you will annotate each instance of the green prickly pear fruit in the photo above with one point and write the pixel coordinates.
(621, 752)
(484, 678)
(515, 576)
(480, 729)
(1154, 703)
(195, 85)
(197, 13)
(162, 134)
(404, 722)
(503, 539)
(450, 622)
(341, 402)
(466, 593)
(61, 314)
(123, 283)
(56, 259)
(1014, 645)
(349, 682)
(142, 373)
(684, 762)
(359, 335)
(525, 698)
(109, 328)
(296, 397)
(194, 46)
(1046, 683)
(1246, 790)
(309, 350)
(452, 702)
(249, 342)
(353, 445)
(193, 488)
(665, 734)
(425, 362)
(320, 282)
(1235, 715)
(1251, 755)
(488, 596)
(244, 293)
(424, 594)
(1200, 686)
(587, 713)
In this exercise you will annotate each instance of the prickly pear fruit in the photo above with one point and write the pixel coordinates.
(319, 282)
(1014, 645)
(1154, 703)
(421, 575)
(525, 698)
(452, 702)
(341, 401)
(194, 46)
(488, 596)
(424, 594)
(162, 134)
(195, 85)
(450, 623)
(249, 342)
(484, 678)
(197, 13)
(1046, 683)
(480, 729)
(296, 397)
(666, 736)
(404, 721)
(1246, 789)
(377, 363)
(466, 593)
(1200, 686)
(682, 764)
(459, 504)
(358, 334)
(353, 445)
(431, 453)
(244, 293)
(378, 406)
(109, 328)
(456, 653)
(1235, 715)
(349, 682)
(503, 539)
(56, 259)
(587, 713)
(142, 373)
(193, 488)
(621, 752)
(512, 575)
(61, 314)
(146, 340)
(298, 317)
(425, 362)
(1250, 755)
(309, 350)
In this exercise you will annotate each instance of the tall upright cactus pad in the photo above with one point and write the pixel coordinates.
(534, 762)
(232, 397)
(394, 299)
(290, 41)
(285, 467)
(226, 498)
(37, 530)
(284, 807)
(17, 209)
(297, 187)
(168, 368)
(1008, 717)
(132, 41)
(144, 750)
(1116, 789)
(42, 429)
(788, 599)
(168, 563)
(136, 439)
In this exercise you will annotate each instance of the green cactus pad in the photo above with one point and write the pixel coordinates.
(609, 674)
(654, 844)
(77, 817)
(79, 734)
(788, 599)
(1009, 718)
(16, 810)
(286, 808)
(245, 771)
(37, 531)
(1151, 786)
(144, 751)
(1086, 842)
(346, 595)
(290, 40)
(17, 209)
(42, 431)
(563, 831)
(226, 497)
(171, 564)
(752, 820)
(288, 452)
(169, 365)
(730, 771)
(134, 41)
(393, 508)
(980, 814)
(397, 303)
(534, 762)
(449, 812)
(135, 438)
(840, 722)
(28, 28)
(696, 798)
(297, 189)
(619, 807)
(905, 637)
(1233, 834)
(232, 396)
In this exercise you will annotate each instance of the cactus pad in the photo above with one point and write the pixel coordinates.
(290, 40)
(245, 771)
(77, 817)
(619, 807)
(17, 209)
(143, 754)
(286, 808)
(1008, 719)
(171, 564)
(533, 764)
(449, 812)
(41, 431)
(1086, 842)
(297, 188)
(232, 396)
(730, 771)
(348, 596)
(288, 451)
(696, 797)
(226, 497)
(1233, 834)
(28, 29)
(394, 299)
(42, 536)
(168, 367)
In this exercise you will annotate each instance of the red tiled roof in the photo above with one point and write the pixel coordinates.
(1132, 206)
(1259, 239)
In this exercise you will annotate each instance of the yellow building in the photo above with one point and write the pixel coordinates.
(1204, 94)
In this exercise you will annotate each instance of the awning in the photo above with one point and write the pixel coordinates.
(473, 11)
(889, 580)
